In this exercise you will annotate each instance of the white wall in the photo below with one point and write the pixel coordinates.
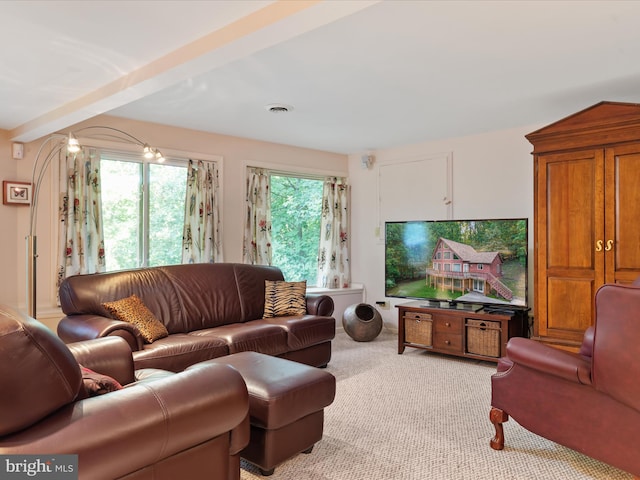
(10, 239)
(492, 177)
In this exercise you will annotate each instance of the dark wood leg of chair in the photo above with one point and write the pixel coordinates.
(267, 473)
(498, 417)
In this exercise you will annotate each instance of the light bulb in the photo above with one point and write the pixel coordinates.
(73, 145)
(147, 151)
(159, 157)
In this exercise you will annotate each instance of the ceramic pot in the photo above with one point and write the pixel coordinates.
(362, 322)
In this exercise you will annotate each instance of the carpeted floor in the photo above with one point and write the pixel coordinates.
(422, 415)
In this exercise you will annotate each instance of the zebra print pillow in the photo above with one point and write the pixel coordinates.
(282, 299)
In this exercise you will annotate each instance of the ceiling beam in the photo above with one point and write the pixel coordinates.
(268, 26)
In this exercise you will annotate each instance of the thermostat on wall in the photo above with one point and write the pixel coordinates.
(18, 150)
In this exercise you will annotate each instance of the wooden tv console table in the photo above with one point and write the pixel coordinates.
(464, 330)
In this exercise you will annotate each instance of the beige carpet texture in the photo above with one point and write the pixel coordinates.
(422, 415)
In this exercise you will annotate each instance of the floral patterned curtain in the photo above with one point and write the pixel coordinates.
(333, 256)
(80, 236)
(201, 238)
(257, 231)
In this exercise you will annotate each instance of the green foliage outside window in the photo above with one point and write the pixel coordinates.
(126, 228)
(296, 208)
(167, 192)
(121, 202)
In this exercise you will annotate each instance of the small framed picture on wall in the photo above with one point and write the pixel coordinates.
(16, 193)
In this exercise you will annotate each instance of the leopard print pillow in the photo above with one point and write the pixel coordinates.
(132, 310)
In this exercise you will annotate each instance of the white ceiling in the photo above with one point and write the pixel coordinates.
(361, 75)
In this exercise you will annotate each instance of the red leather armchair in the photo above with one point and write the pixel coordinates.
(587, 401)
(160, 425)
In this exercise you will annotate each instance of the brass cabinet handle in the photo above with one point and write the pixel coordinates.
(609, 245)
(599, 246)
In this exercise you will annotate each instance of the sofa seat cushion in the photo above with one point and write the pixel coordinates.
(250, 336)
(146, 375)
(179, 350)
(304, 330)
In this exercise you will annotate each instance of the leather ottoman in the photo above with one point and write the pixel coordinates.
(286, 406)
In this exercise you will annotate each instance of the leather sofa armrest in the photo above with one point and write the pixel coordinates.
(108, 355)
(141, 424)
(76, 328)
(319, 304)
(586, 349)
(549, 360)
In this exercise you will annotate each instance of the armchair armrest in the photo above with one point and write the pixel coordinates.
(319, 304)
(586, 349)
(141, 424)
(240, 435)
(108, 355)
(549, 360)
(75, 328)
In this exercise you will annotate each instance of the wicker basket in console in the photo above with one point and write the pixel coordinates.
(417, 328)
(483, 337)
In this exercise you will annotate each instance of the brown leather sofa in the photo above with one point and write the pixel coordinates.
(150, 425)
(209, 310)
(587, 401)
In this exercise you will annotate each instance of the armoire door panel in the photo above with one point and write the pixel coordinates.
(569, 307)
(569, 263)
(572, 213)
(623, 212)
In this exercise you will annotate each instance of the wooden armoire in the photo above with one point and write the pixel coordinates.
(586, 215)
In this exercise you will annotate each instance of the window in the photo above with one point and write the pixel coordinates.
(296, 209)
(143, 211)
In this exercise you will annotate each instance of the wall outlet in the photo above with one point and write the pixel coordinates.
(383, 305)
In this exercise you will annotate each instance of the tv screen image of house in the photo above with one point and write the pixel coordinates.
(469, 261)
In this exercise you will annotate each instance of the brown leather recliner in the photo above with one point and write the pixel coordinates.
(160, 426)
(587, 401)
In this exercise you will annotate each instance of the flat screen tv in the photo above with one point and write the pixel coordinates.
(458, 262)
